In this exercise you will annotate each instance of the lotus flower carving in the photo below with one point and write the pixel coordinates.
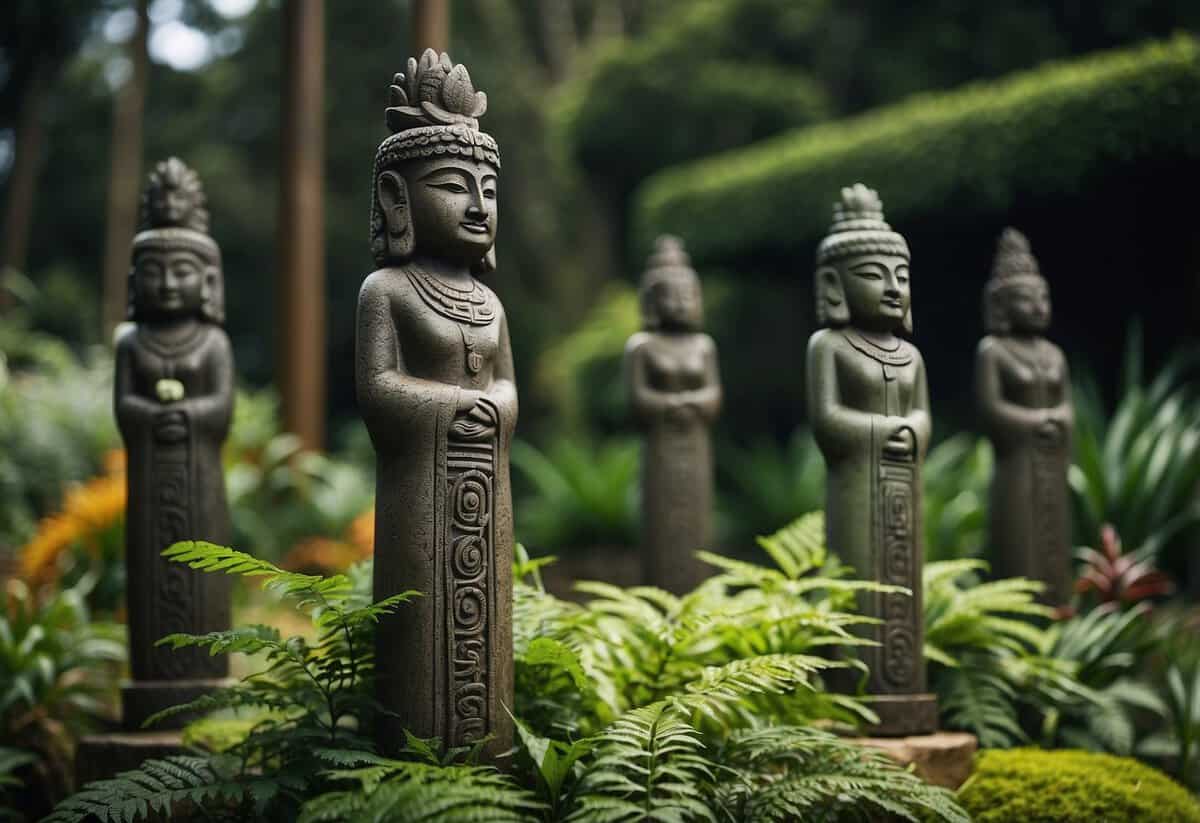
(434, 91)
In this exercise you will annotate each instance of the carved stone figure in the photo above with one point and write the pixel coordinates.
(173, 402)
(869, 408)
(675, 393)
(434, 376)
(1024, 395)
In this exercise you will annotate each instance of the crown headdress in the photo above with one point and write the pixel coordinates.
(435, 110)
(668, 261)
(160, 226)
(1014, 259)
(859, 228)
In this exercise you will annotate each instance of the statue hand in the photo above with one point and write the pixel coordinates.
(467, 399)
(1049, 432)
(168, 390)
(901, 443)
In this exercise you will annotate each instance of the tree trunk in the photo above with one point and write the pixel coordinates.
(300, 286)
(430, 26)
(22, 182)
(124, 175)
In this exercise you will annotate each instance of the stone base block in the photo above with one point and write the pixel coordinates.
(902, 715)
(101, 756)
(943, 759)
(142, 698)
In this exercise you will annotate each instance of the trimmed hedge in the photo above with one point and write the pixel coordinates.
(1043, 132)
(1036, 786)
(648, 104)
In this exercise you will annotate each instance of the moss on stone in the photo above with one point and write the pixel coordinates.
(1037, 786)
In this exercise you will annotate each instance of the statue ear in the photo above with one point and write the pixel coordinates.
(908, 326)
(995, 310)
(831, 298)
(212, 302)
(392, 194)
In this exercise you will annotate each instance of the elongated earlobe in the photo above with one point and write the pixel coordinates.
(392, 194)
(831, 299)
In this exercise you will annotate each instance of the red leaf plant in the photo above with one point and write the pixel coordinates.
(1117, 578)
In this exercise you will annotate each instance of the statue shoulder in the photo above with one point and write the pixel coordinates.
(217, 338)
(636, 341)
(823, 340)
(384, 284)
(125, 337)
(988, 349)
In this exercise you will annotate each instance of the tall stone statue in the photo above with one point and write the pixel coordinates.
(869, 408)
(1024, 395)
(675, 393)
(434, 375)
(173, 402)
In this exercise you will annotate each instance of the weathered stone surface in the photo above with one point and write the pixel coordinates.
(173, 397)
(943, 759)
(434, 377)
(101, 756)
(868, 405)
(674, 393)
(1023, 390)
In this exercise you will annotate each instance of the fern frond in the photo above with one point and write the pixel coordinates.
(157, 787)
(648, 765)
(250, 639)
(976, 697)
(798, 547)
(307, 589)
(720, 689)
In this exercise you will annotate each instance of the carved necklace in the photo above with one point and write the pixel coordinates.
(889, 358)
(466, 307)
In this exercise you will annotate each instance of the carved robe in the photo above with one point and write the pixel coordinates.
(443, 506)
(663, 372)
(176, 491)
(873, 496)
(1029, 516)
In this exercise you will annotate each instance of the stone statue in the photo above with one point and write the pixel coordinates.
(675, 393)
(1024, 395)
(869, 408)
(173, 399)
(434, 375)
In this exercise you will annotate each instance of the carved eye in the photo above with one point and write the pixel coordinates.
(489, 192)
(451, 186)
(867, 274)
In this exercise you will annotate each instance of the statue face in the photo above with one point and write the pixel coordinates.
(877, 291)
(170, 204)
(453, 203)
(1029, 307)
(678, 303)
(169, 284)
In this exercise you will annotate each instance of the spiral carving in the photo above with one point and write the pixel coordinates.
(470, 610)
(470, 557)
(470, 500)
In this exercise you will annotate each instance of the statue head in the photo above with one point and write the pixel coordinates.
(176, 270)
(862, 267)
(434, 184)
(670, 290)
(1017, 297)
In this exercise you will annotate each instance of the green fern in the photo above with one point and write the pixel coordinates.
(785, 773)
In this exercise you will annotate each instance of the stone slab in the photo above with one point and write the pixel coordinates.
(902, 715)
(101, 756)
(943, 758)
(141, 699)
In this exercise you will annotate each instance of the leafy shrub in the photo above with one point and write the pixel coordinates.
(1067, 786)
(58, 680)
(956, 477)
(580, 495)
(647, 104)
(636, 705)
(766, 486)
(1138, 467)
(972, 147)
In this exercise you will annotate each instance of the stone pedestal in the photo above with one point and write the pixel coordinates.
(143, 699)
(903, 715)
(944, 758)
(102, 756)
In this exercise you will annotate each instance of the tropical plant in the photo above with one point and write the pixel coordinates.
(1138, 468)
(11, 761)
(580, 494)
(766, 487)
(58, 679)
(636, 705)
(1072, 787)
(955, 497)
(1112, 577)
(1175, 671)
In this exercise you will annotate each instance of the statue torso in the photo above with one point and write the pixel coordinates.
(874, 379)
(1032, 373)
(186, 359)
(445, 334)
(676, 362)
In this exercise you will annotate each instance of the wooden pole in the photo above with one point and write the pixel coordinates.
(124, 175)
(22, 182)
(300, 284)
(430, 26)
